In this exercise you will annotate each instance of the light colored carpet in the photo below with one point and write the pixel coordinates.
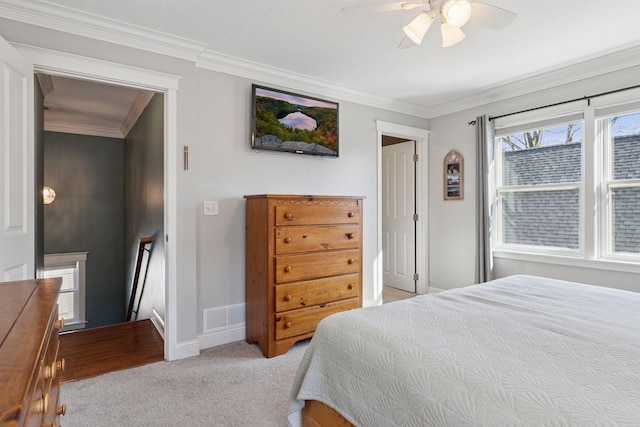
(229, 385)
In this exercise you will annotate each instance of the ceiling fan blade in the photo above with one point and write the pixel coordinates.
(405, 43)
(491, 16)
(380, 7)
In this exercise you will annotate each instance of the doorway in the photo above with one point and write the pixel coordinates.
(420, 253)
(59, 63)
(399, 214)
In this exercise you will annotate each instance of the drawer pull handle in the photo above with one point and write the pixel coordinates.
(287, 239)
(59, 324)
(42, 405)
(287, 297)
(350, 286)
(288, 216)
(351, 261)
(62, 409)
(287, 269)
(351, 214)
(60, 365)
(287, 325)
(349, 235)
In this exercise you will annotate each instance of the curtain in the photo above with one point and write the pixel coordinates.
(484, 182)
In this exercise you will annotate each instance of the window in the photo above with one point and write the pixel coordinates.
(570, 185)
(71, 302)
(538, 184)
(620, 136)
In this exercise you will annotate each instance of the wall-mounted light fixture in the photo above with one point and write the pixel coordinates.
(48, 195)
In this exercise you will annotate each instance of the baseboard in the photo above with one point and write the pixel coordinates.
(157, 321)
(433, 290)
(187, 349)
(223, 336)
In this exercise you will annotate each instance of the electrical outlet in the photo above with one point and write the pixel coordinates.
(210, 207)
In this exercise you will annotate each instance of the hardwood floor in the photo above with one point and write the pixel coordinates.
(392, 294)
(97, 351)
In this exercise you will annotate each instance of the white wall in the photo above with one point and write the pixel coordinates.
(214, 121)
(452, 224)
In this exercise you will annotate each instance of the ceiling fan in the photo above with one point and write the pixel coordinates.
(453, 15)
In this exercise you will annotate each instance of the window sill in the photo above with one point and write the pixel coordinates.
(74, 326)
(599, 264)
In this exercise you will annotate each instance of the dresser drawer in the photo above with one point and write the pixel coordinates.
(296, 267)
(313, 292)
(304, 320)
(312, 214)
(316, 238)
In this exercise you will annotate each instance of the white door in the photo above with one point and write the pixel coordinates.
(398, 209)
(17, 187)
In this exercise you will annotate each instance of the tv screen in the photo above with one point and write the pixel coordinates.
(285, 121)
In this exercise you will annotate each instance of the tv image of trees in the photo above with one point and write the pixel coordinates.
(270, 112)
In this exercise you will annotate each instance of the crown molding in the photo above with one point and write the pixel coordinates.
(61, 18)
(588, 68)
(83, 129)
(138, 106)
(227, 64)
(57, 62)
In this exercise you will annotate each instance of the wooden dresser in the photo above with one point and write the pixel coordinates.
(303, 263)
(29, 365)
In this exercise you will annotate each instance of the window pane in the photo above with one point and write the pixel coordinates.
(65, 305)
(625, 131)
(543, 156)
(541, 218)
(67, 274)
(626, 219)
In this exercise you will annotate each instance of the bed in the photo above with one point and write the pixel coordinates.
(520, 350)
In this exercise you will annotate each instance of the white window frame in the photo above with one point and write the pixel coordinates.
(539, 123)
(608, 183)
(594, 239)
(77, 261)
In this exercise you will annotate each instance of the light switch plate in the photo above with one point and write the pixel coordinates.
(210, 207)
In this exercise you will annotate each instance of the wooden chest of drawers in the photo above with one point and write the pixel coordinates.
(29, 365)
(303, 263)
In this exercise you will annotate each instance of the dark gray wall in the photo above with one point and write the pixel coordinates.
(144, 205)
(87, 174)
(39, 176)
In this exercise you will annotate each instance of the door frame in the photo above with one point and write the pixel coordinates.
(421, 137)
(86, 68)
(400, 281)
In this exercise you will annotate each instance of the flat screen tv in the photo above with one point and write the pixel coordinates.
(293, 123)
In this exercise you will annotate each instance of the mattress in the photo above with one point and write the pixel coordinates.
(520, 350)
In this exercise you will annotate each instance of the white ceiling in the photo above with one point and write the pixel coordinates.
(313, 39)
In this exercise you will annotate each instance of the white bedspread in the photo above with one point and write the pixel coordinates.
(521, 350)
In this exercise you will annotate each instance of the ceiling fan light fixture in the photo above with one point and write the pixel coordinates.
(456, 12)
(450, 35)
(417, 28)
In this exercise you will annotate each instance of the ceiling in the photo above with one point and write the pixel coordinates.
(314, 40)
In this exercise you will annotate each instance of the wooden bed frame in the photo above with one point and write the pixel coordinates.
(317, 414)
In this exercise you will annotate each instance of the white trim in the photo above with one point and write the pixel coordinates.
(222, 336)
(97, 70)
(67, 64)
(559, 76)
(68, 20)
(80, 129)
(77, 261)
(421, 136)
(139, 104)
(157, 321)
(239, 67)
(186, 349)
(597, 264)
